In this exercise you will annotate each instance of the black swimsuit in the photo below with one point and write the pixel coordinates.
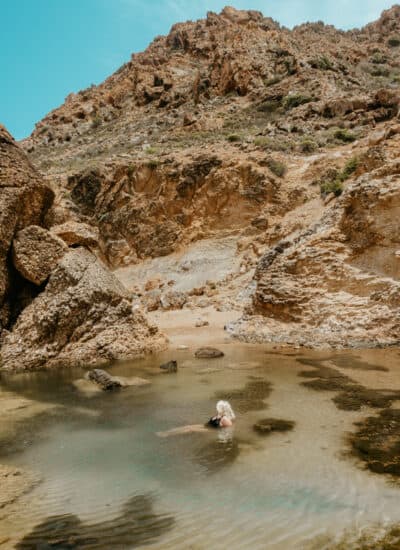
(214, 422)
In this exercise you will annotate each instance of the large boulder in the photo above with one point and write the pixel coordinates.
(24, 200)
(83, 317)
(36, 253)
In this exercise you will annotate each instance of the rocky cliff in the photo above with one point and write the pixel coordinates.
(285, 141)
(59, 305)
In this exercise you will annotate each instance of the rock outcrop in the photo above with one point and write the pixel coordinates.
(338, 282)
(83, 317)
(59, 306)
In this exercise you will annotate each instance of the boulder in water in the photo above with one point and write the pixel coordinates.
(104, 380)
(170, 366)
(208, 353)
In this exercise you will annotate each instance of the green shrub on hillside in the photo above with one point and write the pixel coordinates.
(234, 138)
(342, 134)
(277, 167)
(394, 41)
(322, 63)
(274, 144)
(308, 145)
(295, 100)
(334, 182)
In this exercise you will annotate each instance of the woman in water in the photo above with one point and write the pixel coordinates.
(223, 419)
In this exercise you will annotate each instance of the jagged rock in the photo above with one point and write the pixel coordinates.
(173, 300)
(36, 252)
(338, 282)
(104, 380)
(208, 353)
(83, 317)
(75, 233)
(170, 366)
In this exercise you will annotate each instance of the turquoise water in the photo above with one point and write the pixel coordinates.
(109, 481)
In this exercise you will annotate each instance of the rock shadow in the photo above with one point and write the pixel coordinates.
(137, 524)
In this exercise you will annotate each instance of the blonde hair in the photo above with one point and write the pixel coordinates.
(224, 409)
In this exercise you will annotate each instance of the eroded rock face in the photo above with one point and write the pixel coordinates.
(83, 317)
(337, 283)
(36, 253)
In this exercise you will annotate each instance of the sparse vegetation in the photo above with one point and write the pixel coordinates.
(151, 151)
(308, 145)
(269, 106)
(152, 164)
(378, 58)
(322, 63)
(292, 101)
(394, 41)
(273, 144)
(342, 134)
(277, 167)
(96, 121)
(333, 183)
(349, 168)
(234, 138)
(335, 187)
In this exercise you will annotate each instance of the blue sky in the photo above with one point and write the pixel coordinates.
(49, 48)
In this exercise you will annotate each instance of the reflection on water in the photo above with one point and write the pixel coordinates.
(217, 489)
(136, 525)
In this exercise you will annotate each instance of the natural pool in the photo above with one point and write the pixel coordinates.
(109, 481)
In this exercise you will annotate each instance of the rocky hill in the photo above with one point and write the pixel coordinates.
(233, 127)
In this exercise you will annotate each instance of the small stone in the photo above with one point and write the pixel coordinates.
(208, 353)
(170, 366)
(201, 323)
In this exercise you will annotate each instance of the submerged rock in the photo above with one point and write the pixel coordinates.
(208, 353)
(377, 442)
(103, 379)
(268, 425)
(136, 525)
(170, 366)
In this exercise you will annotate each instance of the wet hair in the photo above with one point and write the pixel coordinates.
(224, 409)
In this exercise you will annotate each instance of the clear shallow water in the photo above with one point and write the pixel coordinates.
(113, 483)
